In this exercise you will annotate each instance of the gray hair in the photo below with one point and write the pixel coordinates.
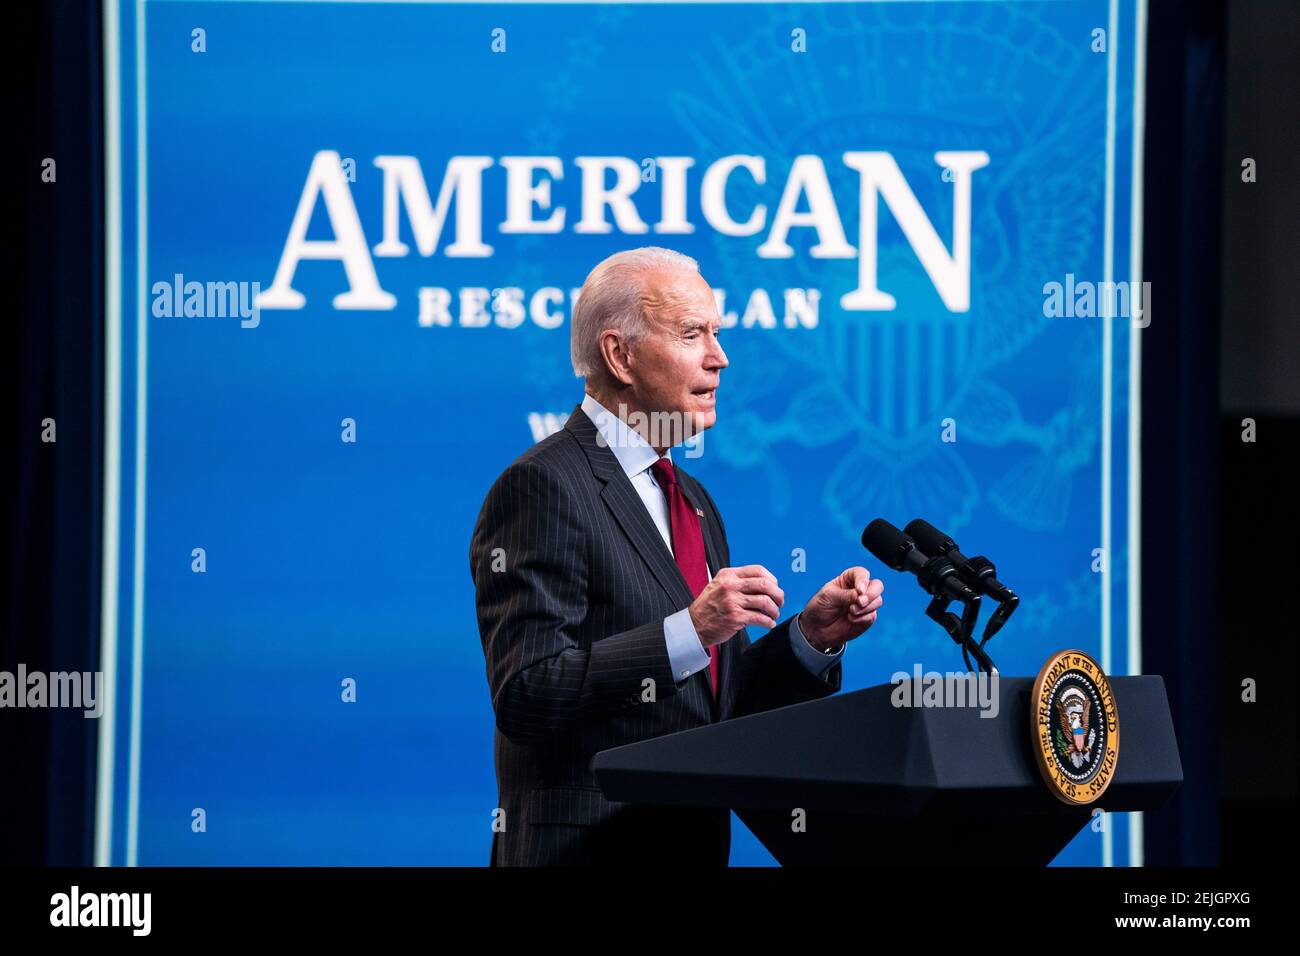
(615, 296)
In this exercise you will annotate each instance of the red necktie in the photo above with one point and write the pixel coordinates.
(688, 544)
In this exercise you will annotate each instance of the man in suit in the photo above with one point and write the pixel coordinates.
(607, 604)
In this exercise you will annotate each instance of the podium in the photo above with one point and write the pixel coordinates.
(881, 784)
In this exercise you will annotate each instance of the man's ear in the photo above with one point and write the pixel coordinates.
(618, 360)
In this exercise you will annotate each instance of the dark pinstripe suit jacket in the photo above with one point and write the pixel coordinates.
(571, 613)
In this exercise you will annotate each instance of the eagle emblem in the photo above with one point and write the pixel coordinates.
(1074, 738)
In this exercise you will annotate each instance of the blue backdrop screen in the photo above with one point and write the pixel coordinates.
(344, 245)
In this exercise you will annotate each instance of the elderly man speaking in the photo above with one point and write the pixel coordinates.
(607, 603)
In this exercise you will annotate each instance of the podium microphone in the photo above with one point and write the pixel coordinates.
(936, 575)
(938, 578)
(978, 572)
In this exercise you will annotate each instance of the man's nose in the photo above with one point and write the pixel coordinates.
(716, 357)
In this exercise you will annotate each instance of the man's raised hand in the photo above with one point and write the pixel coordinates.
(735, 598)
(842, 609)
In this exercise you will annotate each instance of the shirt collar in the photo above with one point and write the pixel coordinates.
(633, 452)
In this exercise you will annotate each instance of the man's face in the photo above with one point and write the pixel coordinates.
(676, 365)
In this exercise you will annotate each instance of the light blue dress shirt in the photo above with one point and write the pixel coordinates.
(636, 456)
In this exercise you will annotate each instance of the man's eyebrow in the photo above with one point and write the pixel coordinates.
(694, 324)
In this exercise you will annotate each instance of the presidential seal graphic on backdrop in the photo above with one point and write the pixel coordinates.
(868, 390)
(1075, 727)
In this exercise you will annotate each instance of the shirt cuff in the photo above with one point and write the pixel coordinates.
(686, 654)
(813, 660)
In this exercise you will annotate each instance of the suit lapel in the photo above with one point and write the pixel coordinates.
(629, 510)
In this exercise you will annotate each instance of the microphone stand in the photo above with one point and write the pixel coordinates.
(1005, 609)
(980, 569)
(961, 629)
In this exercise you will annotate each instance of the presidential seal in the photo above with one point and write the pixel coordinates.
(1075, 726)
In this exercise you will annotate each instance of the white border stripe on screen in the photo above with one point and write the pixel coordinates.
(141, 406)
(112, 515)
(1136, 852)
(1107, 358)
(508, 3)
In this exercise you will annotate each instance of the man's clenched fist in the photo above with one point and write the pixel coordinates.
(736, 597)
(842, 609)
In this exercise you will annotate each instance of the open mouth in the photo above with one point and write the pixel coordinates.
(707, 393)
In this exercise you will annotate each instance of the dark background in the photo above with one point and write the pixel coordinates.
(1219, 514)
